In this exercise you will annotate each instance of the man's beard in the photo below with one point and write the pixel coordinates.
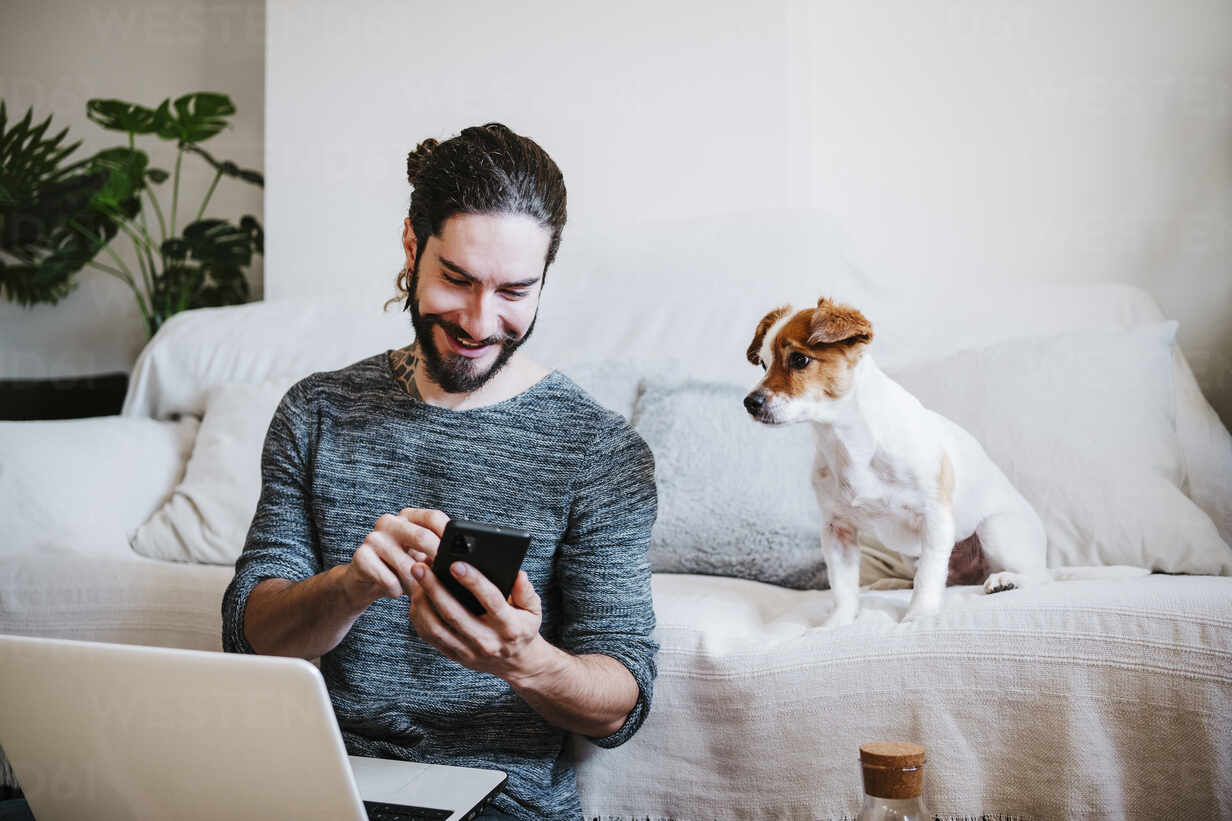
(457, 374)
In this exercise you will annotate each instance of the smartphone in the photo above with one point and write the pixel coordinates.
(496, 552)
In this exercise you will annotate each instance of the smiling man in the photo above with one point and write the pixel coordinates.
(362, 468)
(485, 268)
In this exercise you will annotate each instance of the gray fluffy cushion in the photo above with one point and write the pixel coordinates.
(734, 495)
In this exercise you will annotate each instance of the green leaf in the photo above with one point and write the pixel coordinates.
(25, 155)
(156, 175)
(197, 117)
(249, 225)
(16, 136)
(219, 244)
(31, 284)
(175, 288)
(118, 115)
(88, 232)
(175, 249)
(48, 230)
(205, 267)
(125, 168)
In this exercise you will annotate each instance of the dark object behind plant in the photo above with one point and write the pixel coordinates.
(54, 221)
(71, 397)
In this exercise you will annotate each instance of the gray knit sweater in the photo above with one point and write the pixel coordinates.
(346, 446)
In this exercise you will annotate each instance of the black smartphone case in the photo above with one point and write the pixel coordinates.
(496, 552)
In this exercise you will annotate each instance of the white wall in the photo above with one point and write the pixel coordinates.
(952, 143)
(57, 54)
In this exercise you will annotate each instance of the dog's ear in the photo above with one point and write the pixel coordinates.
(833, 322)
(754, 352)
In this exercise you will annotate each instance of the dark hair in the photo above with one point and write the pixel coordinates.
(484, 170)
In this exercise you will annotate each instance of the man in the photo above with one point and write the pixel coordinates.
(363, 466)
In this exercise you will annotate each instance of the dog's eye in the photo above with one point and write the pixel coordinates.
(797, 360)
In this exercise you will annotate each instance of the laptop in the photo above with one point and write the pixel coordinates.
(121, 731)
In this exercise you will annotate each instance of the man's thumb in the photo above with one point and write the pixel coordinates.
(524, 595)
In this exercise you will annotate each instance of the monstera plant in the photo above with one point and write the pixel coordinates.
(57, 219)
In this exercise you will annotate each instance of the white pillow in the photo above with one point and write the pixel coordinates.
(207, 518)
(1084, 425)
(734, 495)
(82, 485)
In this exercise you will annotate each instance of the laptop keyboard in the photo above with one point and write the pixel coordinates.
(380, 811)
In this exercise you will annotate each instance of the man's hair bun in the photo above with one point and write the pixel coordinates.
(417, 159)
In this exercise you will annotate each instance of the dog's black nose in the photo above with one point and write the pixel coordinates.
(754, 401)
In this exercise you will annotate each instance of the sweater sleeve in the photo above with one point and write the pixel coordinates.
(603, 567)
(281, 541)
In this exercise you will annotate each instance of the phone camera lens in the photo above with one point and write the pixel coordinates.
(467, 544)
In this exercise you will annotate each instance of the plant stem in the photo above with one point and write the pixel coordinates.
(144, 240)
(145, 229)
(122, 272)
(147, 278)
(162, 224)
(175, 192)
(97, 245)
(115, 272)
(120, 262)
(140, 241)
(141, 301)
(145, 312)
(209, 194)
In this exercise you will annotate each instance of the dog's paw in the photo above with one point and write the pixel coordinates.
(1005, 580)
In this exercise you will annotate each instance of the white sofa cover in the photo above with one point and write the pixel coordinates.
(1091, 699)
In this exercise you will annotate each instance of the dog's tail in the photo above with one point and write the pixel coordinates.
(1112, 571)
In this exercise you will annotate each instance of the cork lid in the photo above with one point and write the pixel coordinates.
(892, 754)
(892, 769)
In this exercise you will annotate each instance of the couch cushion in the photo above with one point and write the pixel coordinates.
(1084, 425)
(130, 600)
(82, 485)
(209, 512)
(734, 496)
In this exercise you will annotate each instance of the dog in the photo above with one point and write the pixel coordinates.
(888, 467)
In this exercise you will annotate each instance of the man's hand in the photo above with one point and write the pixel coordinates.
(381, 565)
(504, 641)
(589, 694)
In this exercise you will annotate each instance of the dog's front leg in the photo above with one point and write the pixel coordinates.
(842, 552)
(936, 545)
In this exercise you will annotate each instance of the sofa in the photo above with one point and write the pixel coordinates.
(1077, 699)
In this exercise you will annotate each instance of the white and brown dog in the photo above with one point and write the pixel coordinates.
(888, 467)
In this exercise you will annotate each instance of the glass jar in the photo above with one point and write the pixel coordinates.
(893, 773)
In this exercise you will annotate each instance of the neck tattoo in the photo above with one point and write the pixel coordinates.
(404, 362)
